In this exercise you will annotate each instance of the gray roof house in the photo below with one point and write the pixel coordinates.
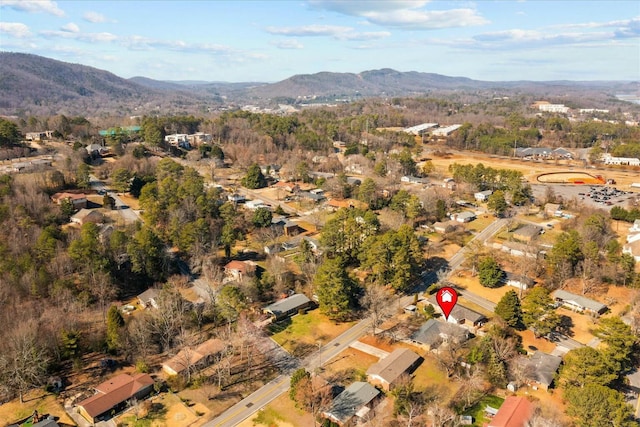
(543, 367)
(527, 233)
(460, 314)
(355, 400)
(432, 333)
(578, 302)
(288, 306)
(517, 281)
(481, 196)
(389, 369)
(464, 216)
(149, 298)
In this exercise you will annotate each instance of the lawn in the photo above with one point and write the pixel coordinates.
(477, 410)
(282, 413)
(480, 223)
(302, 333)
(44, 403)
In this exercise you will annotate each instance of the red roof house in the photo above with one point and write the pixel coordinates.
(514, 412)
(113, 394)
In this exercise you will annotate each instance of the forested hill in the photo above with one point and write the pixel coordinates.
(41, 86)
(46, 86)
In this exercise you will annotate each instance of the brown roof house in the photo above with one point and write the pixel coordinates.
(79, 201)
(527, 233)
(389, 369)
(514, 412)
(189, 359)
(87, 215)
(112, 396)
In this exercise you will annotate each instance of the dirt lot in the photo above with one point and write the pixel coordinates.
(472, 284)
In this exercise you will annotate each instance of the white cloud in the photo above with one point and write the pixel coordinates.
(410, 15)
(288, 44)
(359, 8)
(85, 37)
(70, 28)
(335, 31)
(94, 17)
(15, 29)
(33, 6)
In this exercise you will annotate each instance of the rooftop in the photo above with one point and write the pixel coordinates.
(347, 403)
(395, 364)
(579, 300)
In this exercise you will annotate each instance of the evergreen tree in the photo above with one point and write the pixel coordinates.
(254, 178)
(596, 406)
(538, 312)
(490, 273)
(115, 323)
(584, 366)
(337, 292)
(509, 310)
(497, 203)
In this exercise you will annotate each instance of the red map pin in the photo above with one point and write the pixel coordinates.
(447, 299)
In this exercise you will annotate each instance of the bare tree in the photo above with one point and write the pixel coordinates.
(24, 364)
(376, 300)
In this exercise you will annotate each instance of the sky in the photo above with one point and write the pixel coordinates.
(269, 41)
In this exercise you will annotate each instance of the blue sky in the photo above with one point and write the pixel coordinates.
(269, 41)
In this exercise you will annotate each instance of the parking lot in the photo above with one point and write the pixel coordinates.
(597, 196)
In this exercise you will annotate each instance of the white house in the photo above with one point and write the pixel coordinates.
(482, 196)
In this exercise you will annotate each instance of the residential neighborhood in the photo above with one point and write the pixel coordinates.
(284, 264)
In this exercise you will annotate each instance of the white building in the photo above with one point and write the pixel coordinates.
(608, 159)
(553, 108)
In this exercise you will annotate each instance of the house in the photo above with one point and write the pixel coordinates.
(515, 411)
(79, 201)
(482, 196)
(290, 187)
(271, 170)
(200, 138)
(389, 369)
(410, 179)
(445, 131)
(464, 216)
(237, 270)
(460, 314)
(313, 197)
(113, 395)
(38, 136)
(553, 209)
(632, 249)
(433, 333)
(288, 306)
(287, 227)
(256, 204)
(355, 401)
(179, 139)
(518, 281)
(543, 368)
(149, 298)
(96, 150)
(84, 216)
(443, 227)
(578, 302)
(527, 233)
(635, 228)
(188, 358)
(236, 198)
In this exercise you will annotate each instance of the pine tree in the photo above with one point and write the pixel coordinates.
(115, 322)
(510, 311)
(490, 273)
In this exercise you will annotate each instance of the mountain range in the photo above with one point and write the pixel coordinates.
(42, 86)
